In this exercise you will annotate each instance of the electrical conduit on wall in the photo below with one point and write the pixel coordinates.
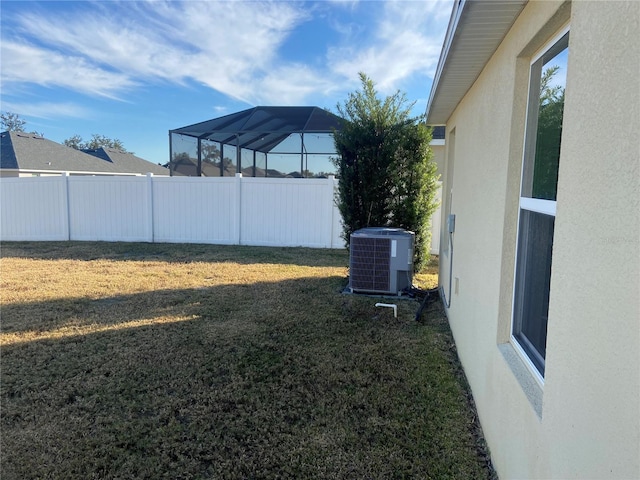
(451, 227)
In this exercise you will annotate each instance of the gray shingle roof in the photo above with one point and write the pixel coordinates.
(127, 161)
(32, 153)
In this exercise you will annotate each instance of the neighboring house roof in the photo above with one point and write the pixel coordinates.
(26, 152)
(475, 31)
(32, 153)
(128, 162)
(263, 128)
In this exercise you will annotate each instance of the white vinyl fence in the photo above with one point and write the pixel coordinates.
(226, 210)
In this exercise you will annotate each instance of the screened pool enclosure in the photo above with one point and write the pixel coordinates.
(258, 142)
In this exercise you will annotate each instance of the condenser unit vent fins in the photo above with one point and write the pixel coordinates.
(381, 260)
(370, 264)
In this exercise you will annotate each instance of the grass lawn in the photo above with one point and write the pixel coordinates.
(201, 361)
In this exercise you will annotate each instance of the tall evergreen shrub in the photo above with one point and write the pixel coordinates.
(386, 176)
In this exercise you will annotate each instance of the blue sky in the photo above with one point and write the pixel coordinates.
(135, 70)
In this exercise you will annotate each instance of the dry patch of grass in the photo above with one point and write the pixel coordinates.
(196, 361)
(428, 277)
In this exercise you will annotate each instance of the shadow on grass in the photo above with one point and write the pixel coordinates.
(171, 252)
(285, 379)
(221, 303)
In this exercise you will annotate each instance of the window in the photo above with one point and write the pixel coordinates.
(538, 201)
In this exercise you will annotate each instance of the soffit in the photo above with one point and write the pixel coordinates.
(475, 31)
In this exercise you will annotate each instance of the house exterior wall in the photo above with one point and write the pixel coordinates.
(438, 147)
(439, 150)
(584, 420)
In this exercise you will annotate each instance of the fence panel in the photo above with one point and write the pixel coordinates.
(112, 209)
(195, 210)
(224, 210)
(34, 208)
(286, 212)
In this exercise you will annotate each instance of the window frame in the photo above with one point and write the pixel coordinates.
(528, 203)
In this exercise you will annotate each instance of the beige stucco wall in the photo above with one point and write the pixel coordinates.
(438, 149)
(587, 420)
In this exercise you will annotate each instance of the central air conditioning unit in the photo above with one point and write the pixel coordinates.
(381, 260)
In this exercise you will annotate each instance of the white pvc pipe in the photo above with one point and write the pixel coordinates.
(389, 305)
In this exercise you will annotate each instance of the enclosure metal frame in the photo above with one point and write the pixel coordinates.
(259, 129)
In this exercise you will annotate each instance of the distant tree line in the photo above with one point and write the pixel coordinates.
(96, 141)
(12, 122)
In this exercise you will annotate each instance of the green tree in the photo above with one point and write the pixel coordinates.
(74, 142)
(12, 122)
(386, 176)
(96, 141)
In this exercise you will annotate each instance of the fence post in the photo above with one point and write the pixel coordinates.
(331, 193)
(238, 202)
(66, 214)
(150, 223)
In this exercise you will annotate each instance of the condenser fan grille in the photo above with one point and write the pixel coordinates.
(369, 269)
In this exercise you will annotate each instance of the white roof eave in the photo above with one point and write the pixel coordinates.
(479, 23)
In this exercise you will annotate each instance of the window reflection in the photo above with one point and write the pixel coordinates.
(549, 73)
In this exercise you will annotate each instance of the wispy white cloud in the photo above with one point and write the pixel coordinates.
(348, 4)
(27, 63)
(48, 110)
(223, 45)
(110, 49)
(291, 84)
(406, 42)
